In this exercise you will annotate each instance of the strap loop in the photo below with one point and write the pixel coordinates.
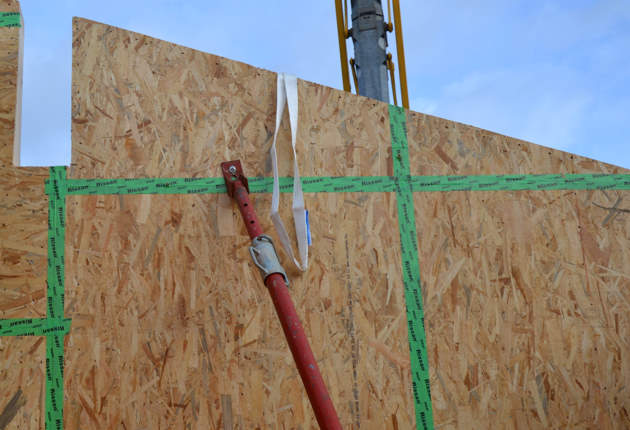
(288, 94)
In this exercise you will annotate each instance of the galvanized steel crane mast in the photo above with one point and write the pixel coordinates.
(370, 44)
(371, 62)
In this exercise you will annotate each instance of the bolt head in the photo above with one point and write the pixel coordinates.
(232, 170)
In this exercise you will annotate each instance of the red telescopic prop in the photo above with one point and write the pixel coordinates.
(266, 259)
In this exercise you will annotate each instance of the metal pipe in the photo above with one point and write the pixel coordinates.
(342, 31)
(370, 44)
(321, 402)
(400, 50)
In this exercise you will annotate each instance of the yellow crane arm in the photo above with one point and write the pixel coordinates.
(400, 50)
(342, 33)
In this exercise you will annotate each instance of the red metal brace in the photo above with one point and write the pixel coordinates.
(266, 259)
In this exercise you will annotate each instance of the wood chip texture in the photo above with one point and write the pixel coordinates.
(526, 293)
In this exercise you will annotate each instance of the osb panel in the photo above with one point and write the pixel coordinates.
(527, 308)
(142, 107)
(23, 235)
(172, 325)
(23, 205)
(23, 226)
(441, 147)
(22, 382)
(177, 329)
(147, 108)
(9, 6)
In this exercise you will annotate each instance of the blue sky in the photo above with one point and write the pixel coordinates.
(556, 73)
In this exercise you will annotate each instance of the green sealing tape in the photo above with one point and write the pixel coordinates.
(411, 271)
(217, 185)
(34, 326)
(55, 326)
(351, 184)
(10, 19)
(56, 189)
(521, 182)
(54, 381)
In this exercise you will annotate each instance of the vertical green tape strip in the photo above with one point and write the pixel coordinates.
(54, 326)
(56, 236)
(411, 271)
(56, 190)
(54, 382)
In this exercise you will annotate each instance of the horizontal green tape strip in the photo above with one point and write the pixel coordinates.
(351, 184)
(520, 182)
(34, 326)
(217, 185)
(10, 19)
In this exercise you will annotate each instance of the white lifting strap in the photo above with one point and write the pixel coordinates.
(287, 93)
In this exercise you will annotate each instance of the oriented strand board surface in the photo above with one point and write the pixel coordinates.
(23, 214)
(526, 294)
(177, 328)
(527, 298)
(164, 298)
(22, 382)
(23, 224)
(12, 54)
(172, 326)
(441, 147)
(142, 107)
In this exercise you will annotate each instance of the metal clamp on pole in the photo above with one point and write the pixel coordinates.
(266, 258)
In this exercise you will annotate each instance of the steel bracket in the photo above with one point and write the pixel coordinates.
(232, 172)
(265, 257)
